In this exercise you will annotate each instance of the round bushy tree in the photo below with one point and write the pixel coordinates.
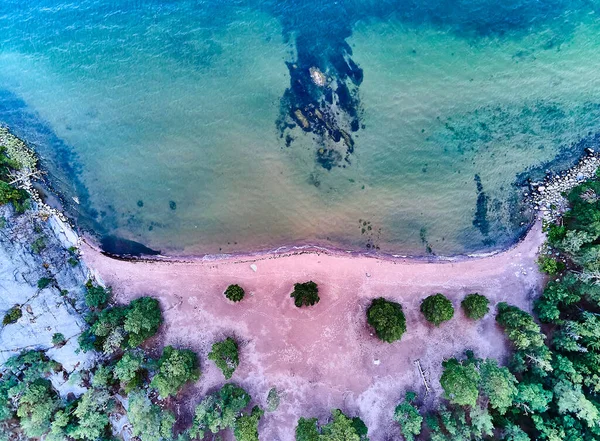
(176, 367)
(305, 294)
(437, 309)
(235, 293)
(387, 318)
(475, 306)
(225, 355)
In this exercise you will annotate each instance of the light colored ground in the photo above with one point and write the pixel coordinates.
(325, 356)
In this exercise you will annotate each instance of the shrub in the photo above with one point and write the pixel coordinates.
(225, 355)
(475, 306)
(273, 400)
(175, 368)
(235, 293)
(12, 315)
(96, 296)
(44, 282)
(38, 245)
(550, 266)
(437, 309)
(58, 339)
(305, 294)
(387, 318)
(10, 194)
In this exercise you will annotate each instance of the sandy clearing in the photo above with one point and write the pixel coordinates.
(325, 357)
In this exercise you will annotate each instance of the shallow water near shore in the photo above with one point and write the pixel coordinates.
(174, 124)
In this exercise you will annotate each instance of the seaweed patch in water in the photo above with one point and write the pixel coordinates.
(480, 221)
(322, 98)
(125, 247)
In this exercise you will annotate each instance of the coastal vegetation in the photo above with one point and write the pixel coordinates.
(235, 293)
(437, 309)
(305, 294)
(387, 318)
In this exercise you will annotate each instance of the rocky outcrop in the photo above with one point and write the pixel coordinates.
(548, 196)
(42, 275)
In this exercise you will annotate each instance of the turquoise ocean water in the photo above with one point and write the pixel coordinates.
(197, 127)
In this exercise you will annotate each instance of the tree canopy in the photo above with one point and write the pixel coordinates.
(437, 309)
(225, 355)
(408, 417)
(387, 318)
(475, 306)
(235, 293)
(175, 368)
(305, 294)
(219, 410)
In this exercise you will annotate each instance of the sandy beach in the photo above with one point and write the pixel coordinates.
(325, 356)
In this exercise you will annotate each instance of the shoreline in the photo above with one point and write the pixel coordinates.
(543, 197)
(295, 250)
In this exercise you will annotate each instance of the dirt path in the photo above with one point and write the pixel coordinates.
(325, 357)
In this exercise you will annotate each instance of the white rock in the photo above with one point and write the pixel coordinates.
(253, 267)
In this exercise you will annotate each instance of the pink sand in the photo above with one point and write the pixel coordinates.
(325, 356)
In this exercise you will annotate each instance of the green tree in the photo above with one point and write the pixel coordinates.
(527, 338)
(103, 377)
(437, 309)
(175, 368)
(512, 432)
(142, 320)
(550, 265)
(307, 430)
(408, 417)
(246, 426)
(498, 384)
(128, 370)
(460, 382)
(90, 420)
(149, 422)
(96, 296)
(475, 306)
(481, 422)
(235, 293)
(342, 428)
(532, 397)
(36, 406)
(219, 410)
(225, 355)
(570, 398)
(305, 294)
(387, 319)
